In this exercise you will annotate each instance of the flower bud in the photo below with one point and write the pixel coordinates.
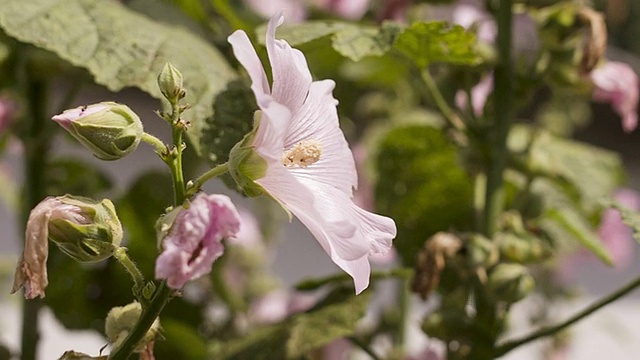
(108, 129)
(523, 248)
(481, 252)
(121, 320)
(84, 229)
(510, 282)
(170, 83)
(246, 165)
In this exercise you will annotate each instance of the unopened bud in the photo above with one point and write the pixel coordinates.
(523, 248)
(121, 320)
(510, 282)
(170, 83)
(481, 252)
(108, 129)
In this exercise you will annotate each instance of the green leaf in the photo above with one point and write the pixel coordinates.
(183, 341)
(75, 177)
(422, 186)
(437, 41)
(630, 218)
(350, 40)
(587, 172)
(575, 224)
(315, 329)
(121, 48)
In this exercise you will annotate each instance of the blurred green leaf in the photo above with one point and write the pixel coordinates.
(630, 217)
(350, 40)
(122, 48)
(76, 177)
(183, 341)
(421, 185)
(437, 41)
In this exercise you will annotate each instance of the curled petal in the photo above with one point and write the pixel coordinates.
(617, 84)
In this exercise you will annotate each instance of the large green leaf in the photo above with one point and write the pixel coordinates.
(121, 48)
(421, 185)
(350, 40)
(437, 41)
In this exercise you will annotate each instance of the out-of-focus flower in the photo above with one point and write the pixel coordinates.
(348, 9)
(277, 305)
(468, 14)
(297, 10)
(479, 95)
(302, 157)
(84, 229)
(194, 240)
(617, 83)
(108, 129)
(8, 110)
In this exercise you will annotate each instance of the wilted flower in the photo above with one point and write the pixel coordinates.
(299, 156)
(194, 240)
(108, 129)
(84, 229)
(617, 83)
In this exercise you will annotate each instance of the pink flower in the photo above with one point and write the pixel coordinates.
(31, 272)
(278, 305)
(616, 236)
(8, 109)
(617, 83)
(296, 10)
(348, 9)
(195, 239)
(309, 167)
(479, 95)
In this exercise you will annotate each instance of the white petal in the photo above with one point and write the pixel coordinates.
(317, 119)
(248, 58)
(291, 76)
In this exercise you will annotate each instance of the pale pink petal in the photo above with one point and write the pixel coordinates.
(248, 58)
(291, 76)
(617, 83)
(195, 239)
(317, 120)
(348, 9)
(296, 10)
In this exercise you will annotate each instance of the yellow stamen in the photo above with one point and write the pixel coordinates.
(302, 154)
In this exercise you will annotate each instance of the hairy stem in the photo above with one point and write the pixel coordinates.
(551, 330)
(210, 174)
(121, 255)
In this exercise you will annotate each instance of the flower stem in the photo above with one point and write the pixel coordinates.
(453, 119)
(121, 255)
(312, 284)
(355, 341)
(551, 330)
(210, 174)
(149, 315)
(157, 144)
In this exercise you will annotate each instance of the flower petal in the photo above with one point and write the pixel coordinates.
(291, 76)
(317, 119)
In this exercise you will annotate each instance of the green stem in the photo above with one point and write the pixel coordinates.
(503, 100)
(355, 341)
(405, 300)
(441, 103)
(312, 284)
(121, 255)
(157, 144)
(149, 315)
(551, 330)
(228, 14)
(210, 174)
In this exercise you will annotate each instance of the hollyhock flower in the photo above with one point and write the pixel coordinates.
(348, 9)
(278, 305)
(296, 10)
(194, 240)
(84, 229)
(299, 156)
(617, 83)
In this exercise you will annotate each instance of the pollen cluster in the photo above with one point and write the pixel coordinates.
(302, 154)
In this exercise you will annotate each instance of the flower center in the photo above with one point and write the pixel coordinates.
(302, 154)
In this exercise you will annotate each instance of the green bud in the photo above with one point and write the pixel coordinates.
(108, 129)
(246, 165)
(510, 282)
(170, 83)
(522, 248)
(91, 233)
(481, 252)
(121, 320)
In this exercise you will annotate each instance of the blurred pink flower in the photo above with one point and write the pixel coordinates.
(195, 239)
(617, 83)
(8, 109)
(479, 95)
(348, 9)
(278, 305)
(616, 236)
(297, 10)
(310, 169)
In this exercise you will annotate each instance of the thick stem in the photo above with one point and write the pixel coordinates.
(551, 330)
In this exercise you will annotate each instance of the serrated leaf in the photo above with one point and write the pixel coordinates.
(576, 225)
(121, 48)
(437, 41)
(630, 217)
(422, 186)
(315, 329)
(352, 41)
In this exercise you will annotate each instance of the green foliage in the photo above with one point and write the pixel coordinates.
(121, 48)
(428, 42)
(630, 218)
(422, 186)
(75, 177)
(352, 41)
(192, 345)
(333, 318)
